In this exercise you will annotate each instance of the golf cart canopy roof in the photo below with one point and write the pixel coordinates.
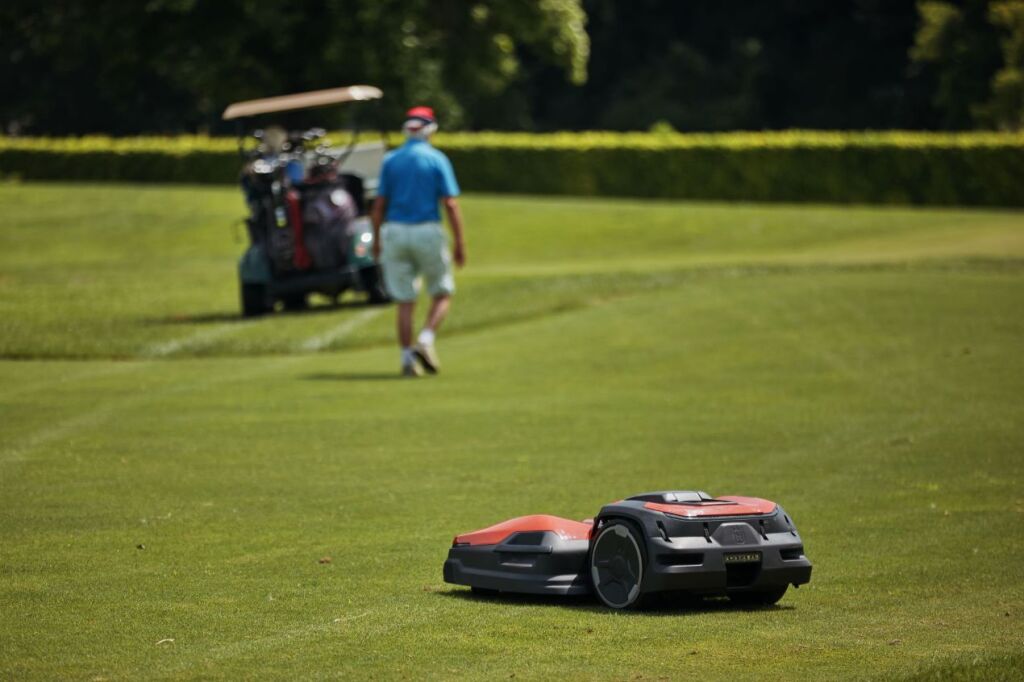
(302, 100)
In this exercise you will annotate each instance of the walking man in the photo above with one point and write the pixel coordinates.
(408, 240)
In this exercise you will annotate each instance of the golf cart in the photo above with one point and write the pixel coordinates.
(308, 224)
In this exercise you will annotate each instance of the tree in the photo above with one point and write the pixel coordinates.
(741, 64)
(1006, 108)
(76, 66)
(956, 45)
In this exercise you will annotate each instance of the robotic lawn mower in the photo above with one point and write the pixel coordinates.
(678, 541)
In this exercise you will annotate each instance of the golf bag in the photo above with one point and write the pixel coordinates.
(301, 227)
(327, 214)
(268, 221)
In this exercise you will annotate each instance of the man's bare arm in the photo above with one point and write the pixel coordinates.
(380, 206)
(451, 207)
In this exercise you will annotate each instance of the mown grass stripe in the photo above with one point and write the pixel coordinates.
(338, 332)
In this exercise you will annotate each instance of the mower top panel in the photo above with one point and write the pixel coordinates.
(694, 504)
(493, 535)
(302, 100)
(673, 496)
(731, 505)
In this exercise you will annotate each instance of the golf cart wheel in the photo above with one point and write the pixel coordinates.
(617, 561)
(372, 283)
(254, 300)
(294, 302)
(758, 597)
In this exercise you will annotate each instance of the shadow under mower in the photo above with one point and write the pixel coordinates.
(308, 223)
(655, 543)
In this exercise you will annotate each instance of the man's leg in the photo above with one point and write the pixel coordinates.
(435, 264)
(424, 348)
(405, 315)
(438, 311)
(399, 280)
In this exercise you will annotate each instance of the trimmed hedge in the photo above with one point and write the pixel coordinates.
(187, 159)
(983, 169)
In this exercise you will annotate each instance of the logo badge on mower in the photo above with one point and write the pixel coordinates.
(742, 558)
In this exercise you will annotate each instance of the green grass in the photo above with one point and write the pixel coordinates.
(862, 366)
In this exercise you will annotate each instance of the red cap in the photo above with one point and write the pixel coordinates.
(426, 113)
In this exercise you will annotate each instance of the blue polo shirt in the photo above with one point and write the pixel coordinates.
(413, 179)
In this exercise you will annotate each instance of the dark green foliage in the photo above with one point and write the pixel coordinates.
(744, 64)
(88, 66)
(956, 48)
(162, 66)
(1007, 106)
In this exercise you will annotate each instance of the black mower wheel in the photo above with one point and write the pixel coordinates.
(618, 558)
(254, 300)
(758, 597)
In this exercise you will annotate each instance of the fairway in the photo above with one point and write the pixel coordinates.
(173, 480)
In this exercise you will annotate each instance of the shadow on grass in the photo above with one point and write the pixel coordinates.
(354, 376)
(667, 605)
(235, 316)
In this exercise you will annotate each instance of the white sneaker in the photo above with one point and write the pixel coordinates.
(427, 356)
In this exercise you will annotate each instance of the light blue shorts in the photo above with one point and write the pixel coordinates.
(414, 250)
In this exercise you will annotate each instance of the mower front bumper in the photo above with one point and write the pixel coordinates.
(735, 558)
